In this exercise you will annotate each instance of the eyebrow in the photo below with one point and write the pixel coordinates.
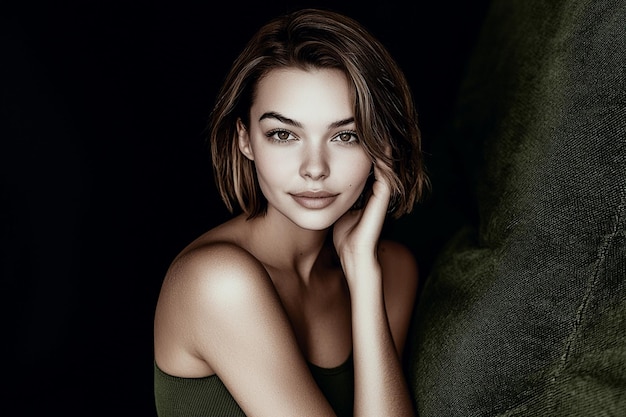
(286, 120)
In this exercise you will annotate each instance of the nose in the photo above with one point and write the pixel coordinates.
(315, 164)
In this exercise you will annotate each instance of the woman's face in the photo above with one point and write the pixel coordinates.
(310, 164)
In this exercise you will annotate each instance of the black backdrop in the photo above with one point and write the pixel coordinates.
(105, 174)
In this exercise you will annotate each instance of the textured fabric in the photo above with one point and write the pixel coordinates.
(179, 397)
(337, 384)
(524, 312)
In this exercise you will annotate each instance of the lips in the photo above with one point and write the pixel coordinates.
(314, 200)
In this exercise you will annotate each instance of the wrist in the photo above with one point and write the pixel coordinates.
(362, 272)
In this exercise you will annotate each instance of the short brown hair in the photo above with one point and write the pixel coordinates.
(384, 110)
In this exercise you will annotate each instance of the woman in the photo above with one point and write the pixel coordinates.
(295, 306)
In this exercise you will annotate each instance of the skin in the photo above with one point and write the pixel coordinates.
(253, 300)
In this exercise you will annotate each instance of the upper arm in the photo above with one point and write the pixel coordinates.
(400, 277)
(238, 326)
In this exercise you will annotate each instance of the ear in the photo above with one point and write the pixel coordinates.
(243, 138)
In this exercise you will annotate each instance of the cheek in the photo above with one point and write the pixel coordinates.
(356, 172)
(271, 168)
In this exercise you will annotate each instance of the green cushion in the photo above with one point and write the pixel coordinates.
(524, 311)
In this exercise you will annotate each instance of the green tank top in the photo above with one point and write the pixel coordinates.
(179, 397)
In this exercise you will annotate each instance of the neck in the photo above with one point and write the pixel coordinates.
(284, 247)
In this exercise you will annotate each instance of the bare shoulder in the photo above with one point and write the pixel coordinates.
(400, 278)
(398, 263)
(213, 270)
(206, 293)
(213, 265)
(219, 313)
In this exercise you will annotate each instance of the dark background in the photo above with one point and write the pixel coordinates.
(106, 176)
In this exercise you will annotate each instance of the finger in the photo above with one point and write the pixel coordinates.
(376, 207)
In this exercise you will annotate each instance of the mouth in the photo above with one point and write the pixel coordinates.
(314, 200)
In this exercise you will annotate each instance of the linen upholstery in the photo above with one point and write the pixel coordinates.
(524, 311)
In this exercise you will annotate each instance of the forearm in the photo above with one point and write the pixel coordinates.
(380, 386)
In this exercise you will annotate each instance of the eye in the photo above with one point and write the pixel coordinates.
(281, 135)
(347, 137)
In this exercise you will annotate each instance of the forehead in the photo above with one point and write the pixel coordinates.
(312, 95)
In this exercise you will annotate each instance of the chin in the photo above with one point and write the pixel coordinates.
(314, 219)
(315, 223)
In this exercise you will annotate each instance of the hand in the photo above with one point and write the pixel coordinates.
(356, 233)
